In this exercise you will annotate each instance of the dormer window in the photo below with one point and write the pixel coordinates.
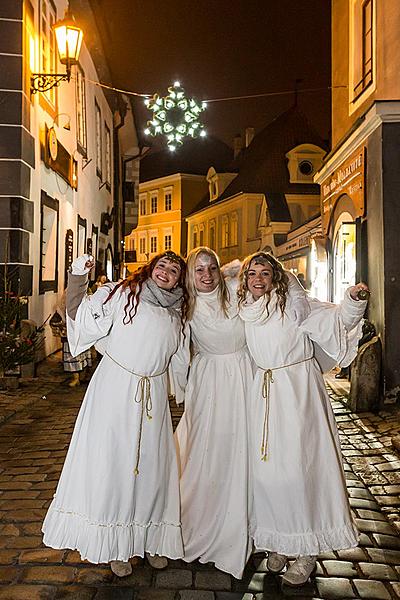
(304, 162)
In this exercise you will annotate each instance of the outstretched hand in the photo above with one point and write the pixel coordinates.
(359, 291)
(82, 265)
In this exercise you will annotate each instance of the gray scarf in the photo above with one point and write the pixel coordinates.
(156, 296)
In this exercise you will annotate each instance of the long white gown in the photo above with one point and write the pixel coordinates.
(212, 439)
(300, 499)
(101, 507)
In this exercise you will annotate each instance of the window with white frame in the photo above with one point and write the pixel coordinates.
(211, 235)
(167, 242)
(195, 236)
(225, 232)
(234, 230)
(98, 138)
(168, 200)
(81, 125)
(142, 245)
(108, 157)
(153, 244)
(142, 203)
(362, 42)
(153, 203)
(201, 235)
(48, 275)
(48, 50)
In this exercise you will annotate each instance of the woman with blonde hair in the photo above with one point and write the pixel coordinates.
(212, 434)
(300, 500)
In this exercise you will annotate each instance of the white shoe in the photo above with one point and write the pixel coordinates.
(276, 562)
(299, 572)
(157, 562)
(121, 568)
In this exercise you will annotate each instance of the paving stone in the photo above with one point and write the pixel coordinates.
(7, 557)
(364, 504)
(387, 541)
(396, 588)
(8, 574)
(94, 576)
(27, 592)
(23, 542)
(353, 554)
(116, 594)
(335, 588)
(364, 540)
(153, 594)
(196, 595)
(371, 514)
(41, 555)
(371, 589)
(215, 580)
(339, 568)
(140, 577)
(388, 500)
(374, 526)
(48, 574)
(377, 571)
(74, 592)
(391, 557)
(174, 578)
(360, 493)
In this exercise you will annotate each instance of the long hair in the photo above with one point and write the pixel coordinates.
(280, 280)
(223, 294)
(135, 283)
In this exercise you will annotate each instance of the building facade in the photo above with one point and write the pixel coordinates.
(60, 151)
(359, 179)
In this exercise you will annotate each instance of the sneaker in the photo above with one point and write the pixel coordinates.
(299, 572)
(157, 562)
(121, 568)
(276, 562)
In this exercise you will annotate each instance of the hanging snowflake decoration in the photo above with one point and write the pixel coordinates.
(175, 116)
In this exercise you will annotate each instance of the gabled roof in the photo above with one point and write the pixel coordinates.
(263, 165)
(195, 157)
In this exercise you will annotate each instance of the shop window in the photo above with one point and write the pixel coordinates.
(49, 213)
(344, 259)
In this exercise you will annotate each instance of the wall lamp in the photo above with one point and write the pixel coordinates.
(69, 40)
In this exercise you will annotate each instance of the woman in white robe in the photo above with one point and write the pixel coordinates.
(212, 434)
(118, 495)
(300, 500)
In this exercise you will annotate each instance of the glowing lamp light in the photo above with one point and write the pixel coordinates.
(69, 41)
(172, 116)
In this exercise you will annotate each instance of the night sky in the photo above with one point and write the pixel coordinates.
(223, 48)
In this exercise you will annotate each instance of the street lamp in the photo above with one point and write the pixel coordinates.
(69, 40)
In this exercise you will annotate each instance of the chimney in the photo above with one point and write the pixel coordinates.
(249, 134)
(237, 145)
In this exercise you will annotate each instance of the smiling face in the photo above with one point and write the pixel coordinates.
(166, 273)
(206, 273)
(259, 279)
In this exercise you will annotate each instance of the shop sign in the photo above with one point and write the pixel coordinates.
(347, 179)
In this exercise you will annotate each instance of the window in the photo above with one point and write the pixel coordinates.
(195, 236)
(48, 57)
(81, 127)
(142, 245)
(167, 242)
(153, 244)
(143, 205)
(211, 236)
(234, 230)
(48, 275)
(168, 201)
(81, 245)
(201, 236)
(98, 138)
(225, 232)
(108, 157)
(153, 200)
(362, 53)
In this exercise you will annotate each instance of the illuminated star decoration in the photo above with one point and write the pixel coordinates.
(175, 116)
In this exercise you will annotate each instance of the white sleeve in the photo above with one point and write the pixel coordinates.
(179, 367)
(93, 319)
(298, 306)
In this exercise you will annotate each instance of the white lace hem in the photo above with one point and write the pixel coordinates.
(102, 542)
(307, 543)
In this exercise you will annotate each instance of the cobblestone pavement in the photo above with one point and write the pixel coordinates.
(34, 437)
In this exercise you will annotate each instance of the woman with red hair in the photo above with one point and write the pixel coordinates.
(118, 495)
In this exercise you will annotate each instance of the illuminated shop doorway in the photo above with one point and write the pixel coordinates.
(319, 270)
(344, 269)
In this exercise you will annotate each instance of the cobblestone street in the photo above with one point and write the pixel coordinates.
(36, 426)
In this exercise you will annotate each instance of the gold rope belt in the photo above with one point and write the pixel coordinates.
(142, 397)
(268, 379)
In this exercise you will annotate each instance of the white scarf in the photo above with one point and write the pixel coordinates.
(256, 310)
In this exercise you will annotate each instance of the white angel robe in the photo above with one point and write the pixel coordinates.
(101, 507)
(212, 439)
(300, 498)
